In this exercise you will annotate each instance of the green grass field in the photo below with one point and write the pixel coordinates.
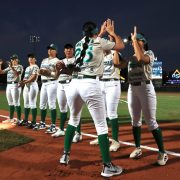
(168, 107)
(9, 139)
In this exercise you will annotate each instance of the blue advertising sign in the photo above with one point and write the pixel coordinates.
(157, 70)
(174, 79)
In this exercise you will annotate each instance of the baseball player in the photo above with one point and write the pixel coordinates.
(62, 92)
(111, 90)
(142, 96)
(85, 88)
(49, 88)
(30, 91)
(14, 73)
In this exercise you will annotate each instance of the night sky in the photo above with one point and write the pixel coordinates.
(60, 22)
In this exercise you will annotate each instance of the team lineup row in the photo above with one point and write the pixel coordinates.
(90, 75)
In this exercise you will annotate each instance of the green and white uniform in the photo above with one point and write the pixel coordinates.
(13, 91)
(110, 86)
(111, 90)
(48, 92)
(141, 93)
(86, 88)
(63, 86)
(49, 85)
(62, 92)
(31, 89)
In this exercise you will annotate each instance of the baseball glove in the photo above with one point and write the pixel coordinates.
(44, 72)
(59, 67)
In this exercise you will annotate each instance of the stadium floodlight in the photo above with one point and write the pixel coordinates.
(34, 39)
(125, 40)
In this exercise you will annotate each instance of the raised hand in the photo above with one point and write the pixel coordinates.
(110, 27)
(103, 29)
(133, 35)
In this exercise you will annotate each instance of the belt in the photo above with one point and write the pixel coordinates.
(83, 77)
(139, 83)
(109, 79)
(12, 82)
(44, 81)
(65, 81)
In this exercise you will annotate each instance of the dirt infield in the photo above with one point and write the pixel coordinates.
(40, 159)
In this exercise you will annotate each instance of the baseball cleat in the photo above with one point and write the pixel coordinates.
(58, 133)
(115, 145)
(42, 125)
(64, 159)
(19, 122)
(111, 170)
(94, 142)
(31, 125)
(136, 153)
(162, 159)
(52, 129)
(23, 123)
(77, 138)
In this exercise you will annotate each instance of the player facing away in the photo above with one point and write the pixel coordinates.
(85, 88)
(62, 93)
(13, 92)
(142, 96)
(48, 91)
(111, 90)
(30, 91)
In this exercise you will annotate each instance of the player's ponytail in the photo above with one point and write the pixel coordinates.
(89, 29)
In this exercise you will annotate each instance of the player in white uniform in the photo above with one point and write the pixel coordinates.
(111, 90)
(86, 89)
(63, 90)
(14, 73)
(30, 91)
(142, 96)
(48, 91)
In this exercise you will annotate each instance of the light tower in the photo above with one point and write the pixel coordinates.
(34, 39)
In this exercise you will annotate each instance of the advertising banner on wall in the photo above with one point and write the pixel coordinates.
(157, 70)
(174, 78)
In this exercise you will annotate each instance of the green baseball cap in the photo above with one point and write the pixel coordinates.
(14, 56)
(52, 46)
(139, 37)
(142, 38)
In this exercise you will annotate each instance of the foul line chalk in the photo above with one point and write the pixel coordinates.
(125, 143)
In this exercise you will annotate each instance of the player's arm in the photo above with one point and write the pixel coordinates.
(115, 58)
(16, 72)
(1, 71)
(32, 78)
(117, 39)
(119, 61)
(137, 50)
(102, 30)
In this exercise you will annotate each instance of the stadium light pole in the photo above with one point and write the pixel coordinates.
(34, 39)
